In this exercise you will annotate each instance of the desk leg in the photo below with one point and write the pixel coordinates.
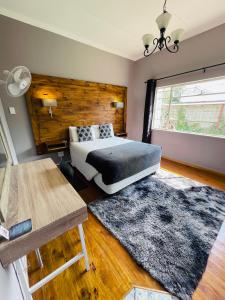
(24, 284)
(28, 291)
(84, 250)
(39, 258)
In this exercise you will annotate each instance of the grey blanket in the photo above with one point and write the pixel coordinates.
(119, 162)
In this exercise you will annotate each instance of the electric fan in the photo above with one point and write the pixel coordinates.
(17, 81)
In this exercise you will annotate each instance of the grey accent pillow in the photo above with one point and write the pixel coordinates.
(105, 131)
(84, 133)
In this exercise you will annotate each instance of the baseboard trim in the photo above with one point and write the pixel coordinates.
(195, 166)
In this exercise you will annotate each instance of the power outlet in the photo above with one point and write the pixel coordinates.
(60, 154)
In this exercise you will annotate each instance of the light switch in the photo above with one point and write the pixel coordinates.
(12, 110)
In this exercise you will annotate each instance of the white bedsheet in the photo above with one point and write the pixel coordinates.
(80, 150)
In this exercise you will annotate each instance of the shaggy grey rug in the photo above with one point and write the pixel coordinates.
(168, 224)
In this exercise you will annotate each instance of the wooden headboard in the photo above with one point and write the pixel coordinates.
(78, 103)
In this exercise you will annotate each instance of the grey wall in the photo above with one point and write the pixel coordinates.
(47, 53)
(205, 49)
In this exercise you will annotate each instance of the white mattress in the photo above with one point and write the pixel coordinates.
(79, 152)
(115, 187)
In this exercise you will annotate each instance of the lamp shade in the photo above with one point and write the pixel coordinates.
(118, 104)
(49, 102)
(147, 39)
(176, 34)
(163, 20)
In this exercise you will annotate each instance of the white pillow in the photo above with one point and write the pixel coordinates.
(73, 134)
(112, 131)
(95, 131)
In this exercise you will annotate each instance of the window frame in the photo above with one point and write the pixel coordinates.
(177, 85)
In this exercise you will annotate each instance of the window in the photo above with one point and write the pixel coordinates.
(197, 107)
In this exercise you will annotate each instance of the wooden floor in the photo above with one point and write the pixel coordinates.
(113, 272)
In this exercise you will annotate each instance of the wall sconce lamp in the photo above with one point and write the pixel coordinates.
(49, 103)
(118, 104)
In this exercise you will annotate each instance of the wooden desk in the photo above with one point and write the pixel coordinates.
(38, 190)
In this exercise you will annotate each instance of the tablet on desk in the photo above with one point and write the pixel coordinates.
(16, 230)
(20, 229)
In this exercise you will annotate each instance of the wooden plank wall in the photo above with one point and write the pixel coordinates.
(78, 103)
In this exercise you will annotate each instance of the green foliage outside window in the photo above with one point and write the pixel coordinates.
(190, 108)
(183, 125)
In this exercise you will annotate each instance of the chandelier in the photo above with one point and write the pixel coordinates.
(162, 42)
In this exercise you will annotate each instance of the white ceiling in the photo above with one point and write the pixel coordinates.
(116, 26)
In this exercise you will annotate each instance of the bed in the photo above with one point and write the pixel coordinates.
(114, 163)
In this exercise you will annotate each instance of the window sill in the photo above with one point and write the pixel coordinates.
(190, 133)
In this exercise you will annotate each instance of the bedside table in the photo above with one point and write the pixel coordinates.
(121, 134)
(56, 146)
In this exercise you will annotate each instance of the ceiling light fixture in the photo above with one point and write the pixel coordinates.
(162, 42)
